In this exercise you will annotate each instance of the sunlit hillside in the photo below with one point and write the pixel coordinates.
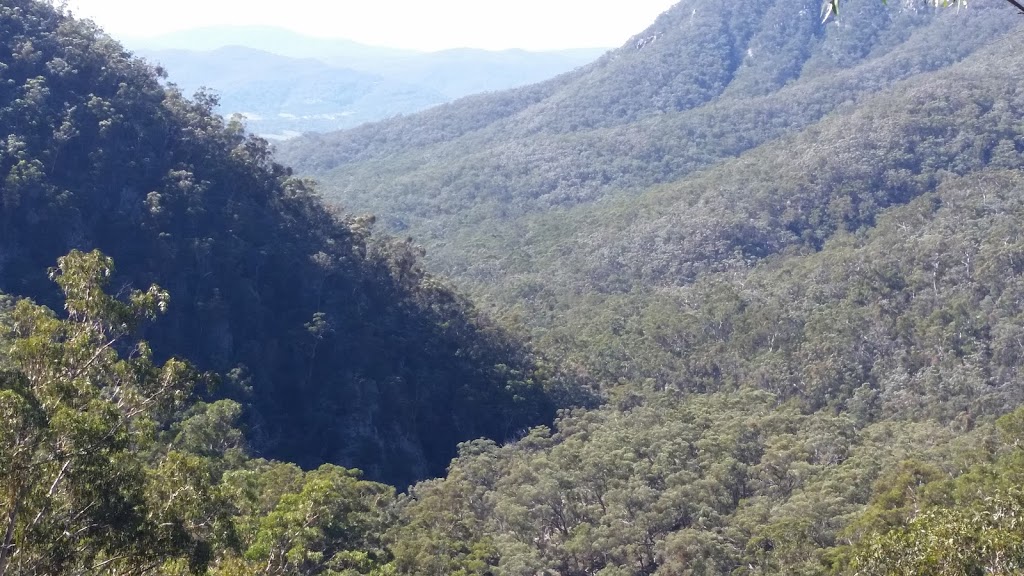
(741, 297)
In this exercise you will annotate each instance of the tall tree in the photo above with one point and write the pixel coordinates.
(79, 403)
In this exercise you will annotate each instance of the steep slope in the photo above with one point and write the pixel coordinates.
(798, 190)
(805, 310)
(766, 72)
(692, 54)
(808, 322)
(800, 290)
(543, 229)
(341, 346)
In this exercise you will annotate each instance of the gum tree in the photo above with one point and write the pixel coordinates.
(79, 405)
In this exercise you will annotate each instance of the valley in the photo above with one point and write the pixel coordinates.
(740, 297)
(284, 83)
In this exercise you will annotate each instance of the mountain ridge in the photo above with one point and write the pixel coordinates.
(500, 170)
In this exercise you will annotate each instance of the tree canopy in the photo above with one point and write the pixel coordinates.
(753, 293)
(340, 347)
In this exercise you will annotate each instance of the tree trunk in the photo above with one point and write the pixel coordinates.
(6, 549)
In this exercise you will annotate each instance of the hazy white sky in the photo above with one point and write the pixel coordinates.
(417, 24)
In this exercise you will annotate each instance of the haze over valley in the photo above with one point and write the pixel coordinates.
(285, 83)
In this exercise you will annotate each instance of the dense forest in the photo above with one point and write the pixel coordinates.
(717, 82)
(340, 346)
(749, 300)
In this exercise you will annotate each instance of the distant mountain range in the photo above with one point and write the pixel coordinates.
(287, 83)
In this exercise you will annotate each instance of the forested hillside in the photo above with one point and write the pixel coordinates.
(340, 346)
(774, 421)
(753, 289)
(789, 252)
(870, 116)
(638, 117)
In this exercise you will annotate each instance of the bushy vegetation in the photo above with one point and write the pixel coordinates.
(796, 285)
(109, 466)
(339, 345)
(496, 165)
(769, 422)
(794, 279)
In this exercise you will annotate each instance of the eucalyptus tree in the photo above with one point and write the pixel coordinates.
(79, 407)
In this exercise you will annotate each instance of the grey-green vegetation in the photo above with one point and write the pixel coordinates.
(319, 327)
(750, 301)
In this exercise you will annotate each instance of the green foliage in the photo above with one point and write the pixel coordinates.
(210, 431)
(90, 486)
(858, 376)
(980, 539)
(807, 352)
(708, 484)
(441, 524)
(717, 81)
(331, 525)
(76, 428)
(788, 251)
(343, 349)
(969, 525)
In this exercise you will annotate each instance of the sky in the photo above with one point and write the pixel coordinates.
(410, 24)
